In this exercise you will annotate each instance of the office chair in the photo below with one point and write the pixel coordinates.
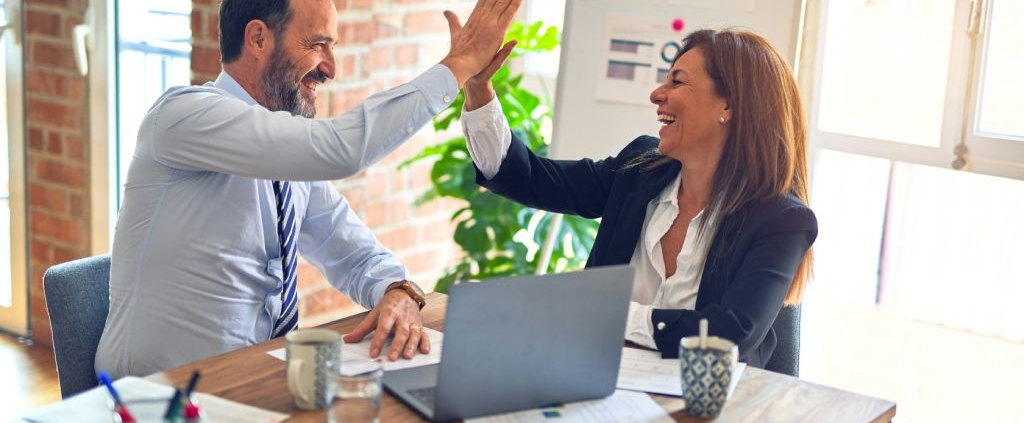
(78, 299)
(786, 357)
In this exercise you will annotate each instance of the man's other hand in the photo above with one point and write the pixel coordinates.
(397, 314)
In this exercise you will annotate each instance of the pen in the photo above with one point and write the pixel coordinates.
(122, 411)
(172, 406)
(192, 384)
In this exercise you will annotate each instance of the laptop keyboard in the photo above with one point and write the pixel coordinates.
(424, 395)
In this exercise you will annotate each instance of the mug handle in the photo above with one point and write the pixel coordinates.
(294, 385)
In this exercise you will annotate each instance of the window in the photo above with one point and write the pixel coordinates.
(131, 64)
(153, 48)
(918, 184)
(926, 82)
(13, 279)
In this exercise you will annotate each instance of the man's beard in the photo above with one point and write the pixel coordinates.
(283, 94)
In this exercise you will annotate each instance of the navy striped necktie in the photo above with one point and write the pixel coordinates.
(289, 317)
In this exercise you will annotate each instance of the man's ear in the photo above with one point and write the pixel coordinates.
(258, 38)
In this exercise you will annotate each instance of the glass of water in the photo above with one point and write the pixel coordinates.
(357, 392)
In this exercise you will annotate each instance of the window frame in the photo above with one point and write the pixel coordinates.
(985, 155)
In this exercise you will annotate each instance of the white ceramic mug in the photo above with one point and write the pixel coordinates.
(313, 355)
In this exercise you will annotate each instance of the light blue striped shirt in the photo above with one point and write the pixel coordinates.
(196, 261)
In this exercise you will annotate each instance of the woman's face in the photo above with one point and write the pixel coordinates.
(689, 110)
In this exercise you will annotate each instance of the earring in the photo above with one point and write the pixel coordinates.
(721, 119)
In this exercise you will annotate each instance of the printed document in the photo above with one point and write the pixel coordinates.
(362, 350)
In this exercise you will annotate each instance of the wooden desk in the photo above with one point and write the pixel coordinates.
(252, 377)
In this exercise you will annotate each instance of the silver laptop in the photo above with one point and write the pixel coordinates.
(525, 342)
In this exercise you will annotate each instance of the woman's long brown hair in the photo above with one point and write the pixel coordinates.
(765, 154)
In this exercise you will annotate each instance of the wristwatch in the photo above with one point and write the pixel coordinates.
(410, 288)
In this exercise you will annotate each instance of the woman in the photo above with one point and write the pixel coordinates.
(713, 215)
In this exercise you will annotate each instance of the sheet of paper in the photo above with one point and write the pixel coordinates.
(144, 398)
(646, 371)
(621, 406)
(362, 350)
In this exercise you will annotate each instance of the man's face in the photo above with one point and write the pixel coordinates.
(302, 59)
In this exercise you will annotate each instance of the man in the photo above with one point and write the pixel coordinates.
(227, 186)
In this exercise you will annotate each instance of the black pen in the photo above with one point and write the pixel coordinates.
(191, 384)
(172, 407)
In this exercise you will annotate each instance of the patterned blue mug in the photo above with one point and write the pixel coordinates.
(313, 356)
(706, 374)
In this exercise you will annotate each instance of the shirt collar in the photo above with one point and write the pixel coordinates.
(669, 194)
(227, 83)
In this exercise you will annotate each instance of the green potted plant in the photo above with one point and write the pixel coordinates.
(499, 237)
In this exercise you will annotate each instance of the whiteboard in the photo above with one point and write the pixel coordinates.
(613, 50)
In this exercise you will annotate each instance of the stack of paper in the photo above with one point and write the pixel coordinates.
(145, 399)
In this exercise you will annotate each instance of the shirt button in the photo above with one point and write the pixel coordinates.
(408, 129)
(447, 98)
(661, 325)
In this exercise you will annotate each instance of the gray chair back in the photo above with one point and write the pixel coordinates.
(786, 357)
(78, 300)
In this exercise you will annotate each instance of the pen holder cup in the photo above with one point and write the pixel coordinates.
(154, 410)
(706, 374)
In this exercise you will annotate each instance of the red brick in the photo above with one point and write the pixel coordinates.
(399, 238)
(40, 326)
(71, 175)
(379, 58)
(40, 251)
(71, 88)
(346, 67)
(77, 206)
(50, 199)
(341, 4)
(309, 277)
(48, 54)
(378, 184)
(206, 59)
(406, 55)
(354, 33)
(436, 229)
(62, 3)
(69, 232)
(356, 197)
(56, 114)
(212, 29)
(74, 147)
(361, 4)
(39, 81)
(42, 23)
(54, 144)
(64, 255)
(36, 142)
(347, 99)
(386, 26)
(427, 22)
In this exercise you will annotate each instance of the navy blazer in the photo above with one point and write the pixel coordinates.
(750, 264)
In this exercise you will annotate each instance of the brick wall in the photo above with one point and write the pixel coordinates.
(57, 158)
(382, 43)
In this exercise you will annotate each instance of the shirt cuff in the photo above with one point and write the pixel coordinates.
(638, 325)
(487, 136)
(438, 86)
